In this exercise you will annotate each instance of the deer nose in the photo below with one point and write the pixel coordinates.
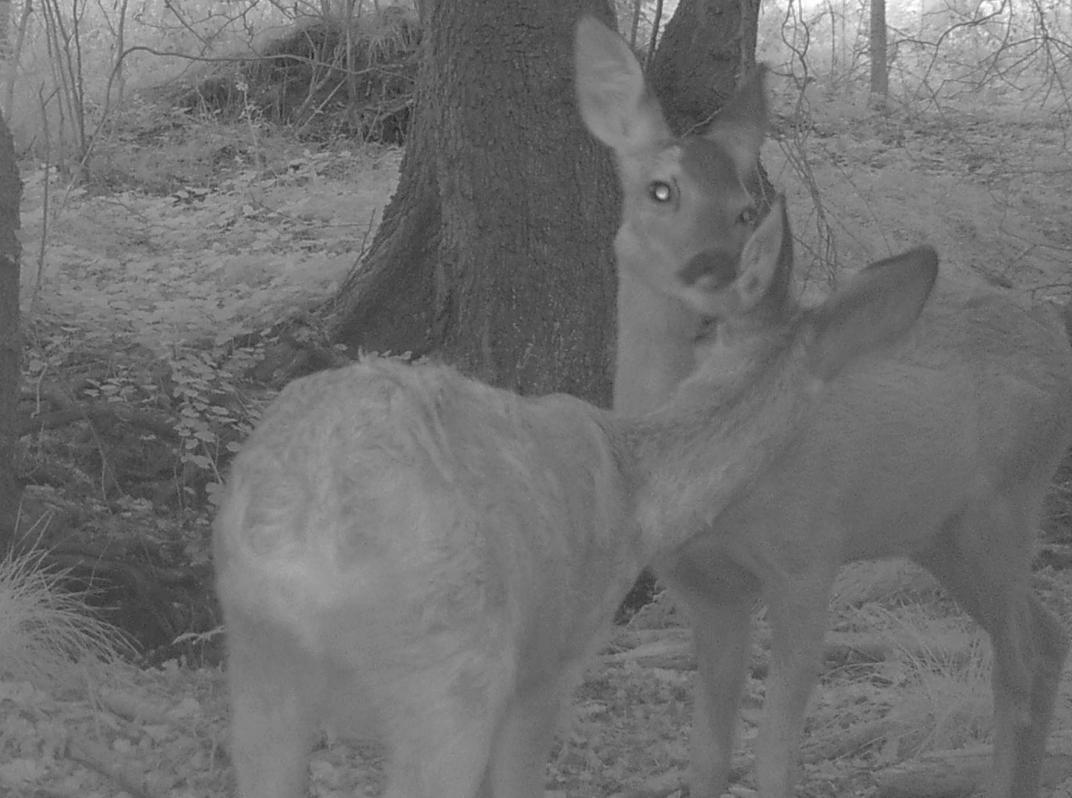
(715, 268)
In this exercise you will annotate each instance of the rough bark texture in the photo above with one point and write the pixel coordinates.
(880, 78)
(5, 30)
(495, 250)
(707, 47)
(10, 249)
(387, 305)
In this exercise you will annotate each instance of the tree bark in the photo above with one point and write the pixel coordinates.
(708, 46)
(10, 342)
(495, 250)
(880, 77)
(5, 30)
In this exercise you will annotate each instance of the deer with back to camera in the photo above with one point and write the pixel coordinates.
(430, 561)
(941, 449)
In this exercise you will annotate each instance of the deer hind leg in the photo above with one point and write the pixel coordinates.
(984, 559)
(275, 693)
(444, 755)
(439, 726)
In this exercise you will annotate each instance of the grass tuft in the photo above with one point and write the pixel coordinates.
(49, 635)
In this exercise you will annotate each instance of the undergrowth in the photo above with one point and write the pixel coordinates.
(49, 635)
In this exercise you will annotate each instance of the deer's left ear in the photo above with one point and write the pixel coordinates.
(740, 127)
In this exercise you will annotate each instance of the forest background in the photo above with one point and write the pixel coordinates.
(201, 184)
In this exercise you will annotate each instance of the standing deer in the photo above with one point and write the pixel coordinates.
(941, 449)
(430, 561)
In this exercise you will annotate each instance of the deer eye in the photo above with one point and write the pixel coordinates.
(748, 215)
(660, 191)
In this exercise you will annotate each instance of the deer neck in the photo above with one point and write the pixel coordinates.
(721, 430)
(655, 350)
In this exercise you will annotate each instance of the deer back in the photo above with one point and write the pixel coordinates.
(974, 400)
(385, 500)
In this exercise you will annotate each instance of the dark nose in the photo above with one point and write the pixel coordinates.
(716, 268)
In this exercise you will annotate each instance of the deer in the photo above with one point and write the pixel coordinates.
(940, 450)
(415, 557)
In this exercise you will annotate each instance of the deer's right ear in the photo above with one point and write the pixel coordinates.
(766, 260)
(874, 309)
(615, 102)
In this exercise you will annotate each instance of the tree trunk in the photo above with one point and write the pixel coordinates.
(13, 57)
(880, 76)
(707, 47)
(495, 251)
(5, 30)
(10, 348)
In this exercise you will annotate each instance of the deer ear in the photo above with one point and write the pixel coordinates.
(766, 260)
(740, 127)
(874, 309)
(616, 104)
(762, 273)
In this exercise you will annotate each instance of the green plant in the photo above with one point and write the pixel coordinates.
(209, 427)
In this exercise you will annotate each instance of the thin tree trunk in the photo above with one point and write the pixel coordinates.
(495, 251)
(634, 23)
(880, 78)
(16, 54)
(5, 30)
(10, 342)
(656, 22)
(120, 45)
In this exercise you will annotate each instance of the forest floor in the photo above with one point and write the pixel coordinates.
(192, 233)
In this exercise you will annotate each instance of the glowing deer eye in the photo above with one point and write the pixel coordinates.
(660, 191)
(748, 216)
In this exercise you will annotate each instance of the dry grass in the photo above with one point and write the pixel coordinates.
(48, 635)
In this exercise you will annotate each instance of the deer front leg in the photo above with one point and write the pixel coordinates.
(797, 613)
(721, 634)
(717, 597)
(523, 741)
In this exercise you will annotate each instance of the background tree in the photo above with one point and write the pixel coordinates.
(880, 78)
(707, 46)
(10, 341)
(495, 248)
(5, 25)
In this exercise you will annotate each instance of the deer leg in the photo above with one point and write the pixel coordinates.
(796, 609)
(523, 741)
(983, 559)
(274, 702)
(721, 635)
(438, 745)
(1049, 647)
(717, 598)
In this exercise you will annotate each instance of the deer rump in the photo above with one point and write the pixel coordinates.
(396, 563)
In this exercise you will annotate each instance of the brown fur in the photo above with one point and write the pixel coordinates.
(941, 449)
(430, 561)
